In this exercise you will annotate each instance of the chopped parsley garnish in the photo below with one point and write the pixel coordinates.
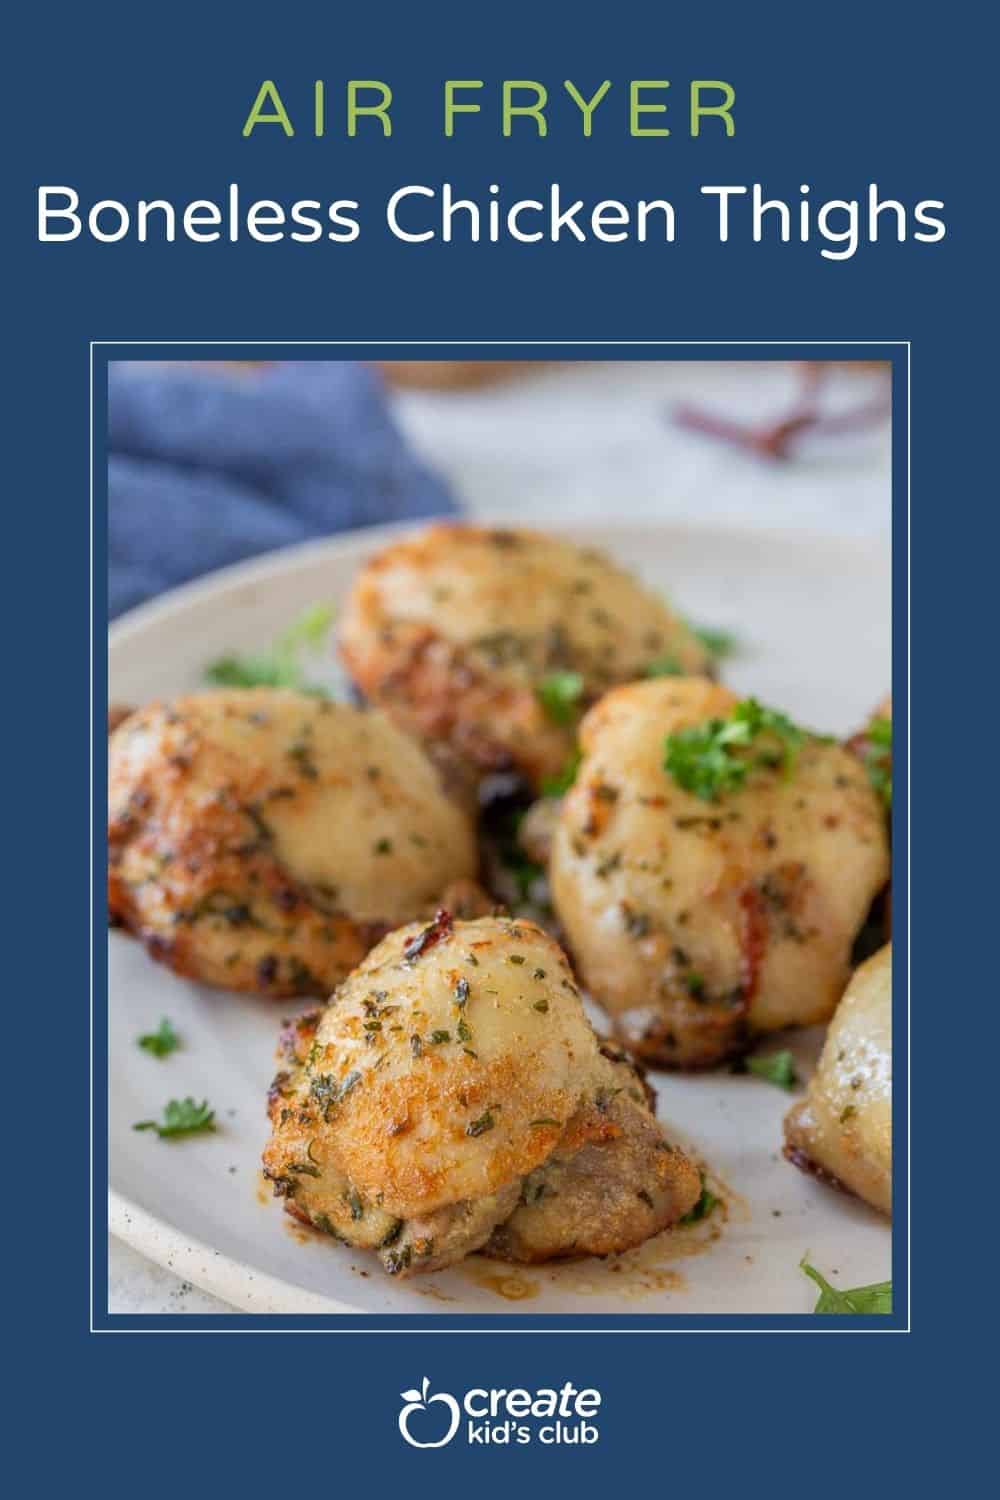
(253, 671)
(161, 1042)
(301, 754)
(664, 666)
(777, 1068)
(440, 1037)
(876, 1298)
(181, 1117)
(559, 785)
(392, 1234)
(309, 631)
(329, 1091)
(718, 643)
(480, 1126)
(876, 753)
(559, 694)
(304, 1168)
(716, 757)
(706, 1203)
(280, 666)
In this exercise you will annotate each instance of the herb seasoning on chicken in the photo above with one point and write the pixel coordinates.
(453, 1096)
(490, 644)
(264, 840)
(842, 1130)
(711, 867)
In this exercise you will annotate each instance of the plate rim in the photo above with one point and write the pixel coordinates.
(222, 1275)
(267, 564)
(193, 1260)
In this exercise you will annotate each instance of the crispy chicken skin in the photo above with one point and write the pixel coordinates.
(611, 1182)
(842, 1129)
(264, 840)
(453, 630)
(450, 1084)
(697, 924)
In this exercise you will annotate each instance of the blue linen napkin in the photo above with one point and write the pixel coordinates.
(207, 468)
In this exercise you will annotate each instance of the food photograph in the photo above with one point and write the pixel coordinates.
(499, 837)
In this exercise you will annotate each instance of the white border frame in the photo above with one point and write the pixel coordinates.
(422, 344)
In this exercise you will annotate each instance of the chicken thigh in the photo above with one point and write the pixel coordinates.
(454, 1085)
(842, 1129)
(718, 899)
(487, 644)
(264, 840)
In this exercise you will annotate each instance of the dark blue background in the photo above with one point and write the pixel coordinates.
(127, 102)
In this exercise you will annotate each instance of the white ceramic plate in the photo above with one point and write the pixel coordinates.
(814, 614)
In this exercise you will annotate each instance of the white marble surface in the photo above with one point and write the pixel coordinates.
(595, 440)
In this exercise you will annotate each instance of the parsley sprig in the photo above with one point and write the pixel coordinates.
(777, 1068)
(181, 1117)
(664, 666)
(718, 643)
(876, 1298)
(877, 756)
(559, 785)
(559, 694)
(281, 665)
(717, 757)
(706, 1203)
(162, 1042)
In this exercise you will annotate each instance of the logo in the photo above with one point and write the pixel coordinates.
(500, 1417)
(421, 1401)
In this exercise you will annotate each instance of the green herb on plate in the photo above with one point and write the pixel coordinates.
(161, 1042)
(777, 1068)
(181, 1117)
(280, 666)
(876, 1298)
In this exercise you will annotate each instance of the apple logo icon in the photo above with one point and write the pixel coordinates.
(418, 1401)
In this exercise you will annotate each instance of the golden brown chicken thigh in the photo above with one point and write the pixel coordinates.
(842, 1129)
(488, 643)
(264, 840)
(454, 1086)
(698, 920)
